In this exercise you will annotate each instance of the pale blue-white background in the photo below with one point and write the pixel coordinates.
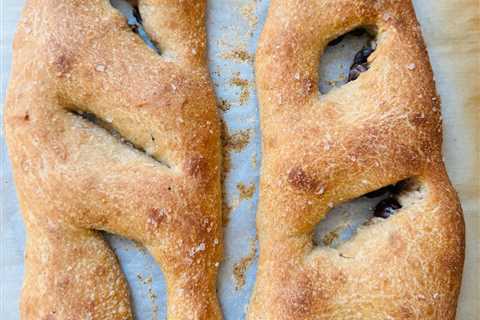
(236, 24)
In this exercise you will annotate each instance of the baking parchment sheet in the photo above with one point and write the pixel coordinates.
(452, 32)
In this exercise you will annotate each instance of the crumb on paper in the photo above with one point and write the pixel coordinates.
(139, 247)
(238, 54)
(244, 86)
(224, 105)
(228, 208)
(238, 141)
(330, 237)
(249, 13)
(254, 161)
(241, 267)
(217, 71)
(145, 280)
(148, 280)
(152, 296)
(246, 191)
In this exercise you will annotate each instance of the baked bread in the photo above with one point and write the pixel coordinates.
(320, 151)
(105, 134)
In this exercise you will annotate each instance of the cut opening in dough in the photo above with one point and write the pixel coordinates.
(345, 58)
(134, 20)
(343, 222)
(107, 126)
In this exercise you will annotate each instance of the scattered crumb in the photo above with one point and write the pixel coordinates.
(249, 13)
(151, 293)
(238, 55)
(246, 192)
(241, 267)
(217, 71)
(152, 296)
(254, 161)
(224, 105)
(237, 141)
(330, 237)
(148, 280)
(244, 86)
(139, 247)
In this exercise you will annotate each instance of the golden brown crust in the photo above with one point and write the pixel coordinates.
(322, 150)
(82, 84)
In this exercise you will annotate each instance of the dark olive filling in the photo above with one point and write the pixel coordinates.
(136, 14)
(386, 208)
(137, 24)
(342, 222)
(360, 63)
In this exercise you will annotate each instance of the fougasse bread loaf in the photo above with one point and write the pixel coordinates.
(106, 134)
(320, 150)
